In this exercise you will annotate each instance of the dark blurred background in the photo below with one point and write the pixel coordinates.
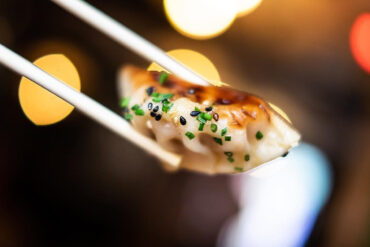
(77, 184)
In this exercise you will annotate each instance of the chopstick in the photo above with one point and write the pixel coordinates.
(128, 38)
(85, 104)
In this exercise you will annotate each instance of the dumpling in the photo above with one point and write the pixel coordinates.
(215, 129)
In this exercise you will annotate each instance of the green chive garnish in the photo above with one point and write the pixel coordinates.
(246, 157)
(217, 140)
(230, 159)
(227, 138)
(139, 112)
(163, 77)
(201, 119)
(190, 135)
(213, 127)
(259, 135)
(223, 131)
(158, 97)
(228, 154)
(206, 116)
(135, 107)
(128, 116)
(124, 102)
(196, 109)
(238, 169)
(201, 126)
(166, 107)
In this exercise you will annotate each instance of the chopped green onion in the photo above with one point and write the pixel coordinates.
(217, 140)
(163, 77)
(128, 116)
(229, 154)
(230, 159)
(238, 169)
(246, 157)
(201, 126)
(190, 135)
(223, 131)
(158, 97)
(200, 119)
(213, 127)
(206, 116)
(139, 112)
(135, 107)
(196, 109)
(227, 138)
(259, 135)
(166, 107)
(124, 102)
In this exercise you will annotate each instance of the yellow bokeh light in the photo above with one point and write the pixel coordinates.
(200, 19)
(247, 6)
(281, 112)
(41, 106)
(196, 61)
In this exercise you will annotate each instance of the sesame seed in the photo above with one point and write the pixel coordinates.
(215, 116)
(182, 120)
(209, 108)
(152, 114)
(149, 90)
(158, 117)
(155, 109)
(194, 113)
(191, 91)
(150, 106)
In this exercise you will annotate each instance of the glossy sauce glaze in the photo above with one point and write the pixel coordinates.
(238, 107)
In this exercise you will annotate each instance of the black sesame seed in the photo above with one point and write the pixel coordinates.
(182, 120)
(152, 114)
(150, 90)
(150, 106)
(194, 113)
(158, 117)
(215, 117)
(225, 102)
(155, 109)
(191, 91)
(209, 108)
(285, 154)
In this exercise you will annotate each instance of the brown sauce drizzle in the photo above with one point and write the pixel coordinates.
(240, 107)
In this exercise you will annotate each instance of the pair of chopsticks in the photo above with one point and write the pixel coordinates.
(85, 104)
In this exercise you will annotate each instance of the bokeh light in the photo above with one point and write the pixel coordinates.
(283, 205)
(41, 106)
(200, 19)
(247, 6)
(196, 61)
(360, 41)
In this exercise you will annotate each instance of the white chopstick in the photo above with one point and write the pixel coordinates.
(128, 38)
(86, 105)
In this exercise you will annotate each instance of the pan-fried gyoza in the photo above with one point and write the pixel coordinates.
(216, 129)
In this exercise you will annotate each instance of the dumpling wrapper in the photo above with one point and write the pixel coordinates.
(243, 115)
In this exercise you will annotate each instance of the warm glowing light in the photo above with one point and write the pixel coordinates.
(281, 112)
(41, 106)
(247, 6)
(360, 41)
(200, 19)
(196, 61)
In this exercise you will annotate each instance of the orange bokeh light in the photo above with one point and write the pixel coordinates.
(360, 41)
(38, 104)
